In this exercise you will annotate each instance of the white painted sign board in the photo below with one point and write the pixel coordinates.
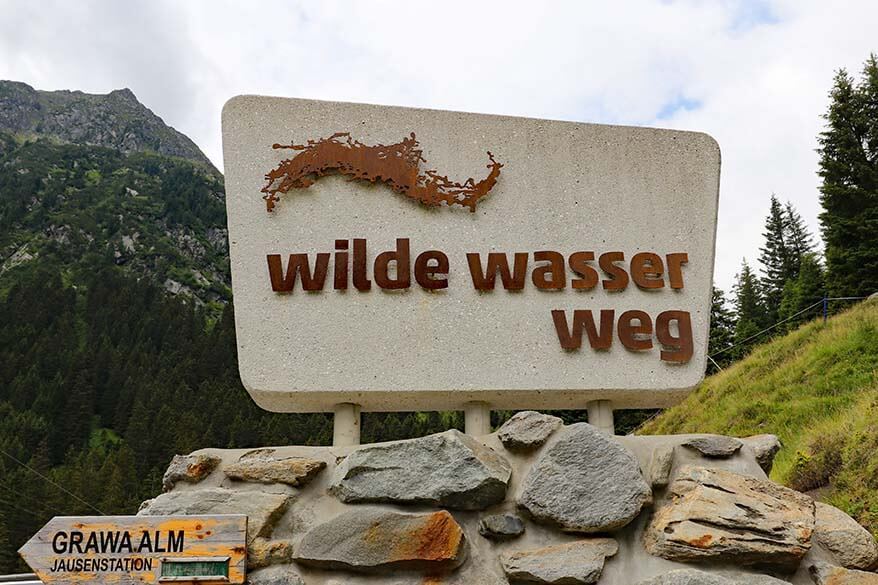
(388, 215)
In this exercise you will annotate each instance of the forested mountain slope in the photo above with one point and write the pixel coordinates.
(817, 389)
(156, 217)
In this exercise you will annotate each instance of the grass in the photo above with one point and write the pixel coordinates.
(815, 388)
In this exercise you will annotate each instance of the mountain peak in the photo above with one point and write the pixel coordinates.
(115, 120)
(124, 94)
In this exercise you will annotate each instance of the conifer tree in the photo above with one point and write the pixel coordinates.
(722, 331)
(775, 258)
(749, 309)
(849, 193)
(797, 237)
(7, 552)
(802, 292)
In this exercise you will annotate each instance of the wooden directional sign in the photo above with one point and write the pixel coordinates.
(139, 549)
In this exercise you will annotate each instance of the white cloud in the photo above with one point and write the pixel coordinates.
(752, 73)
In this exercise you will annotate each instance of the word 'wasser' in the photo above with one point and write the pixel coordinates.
(393, 270)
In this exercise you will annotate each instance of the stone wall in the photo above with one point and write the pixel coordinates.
(535, 502)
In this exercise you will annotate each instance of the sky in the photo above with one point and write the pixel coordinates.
(754, 74)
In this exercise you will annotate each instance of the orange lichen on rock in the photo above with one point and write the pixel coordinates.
(702, 542)
(201, 467)
(369, 540)
(431, 538)
(396, 166)
(438, 538)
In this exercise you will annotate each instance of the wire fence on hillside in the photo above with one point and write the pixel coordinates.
(823, 302)
(825, 313)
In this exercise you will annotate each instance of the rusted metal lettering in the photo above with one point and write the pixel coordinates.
(675, 268)
(635, 337)
(647, 269)
(426, 275)
(681, 345)
(497, 264)
(584, 321)
(618, 278)
(549, 276)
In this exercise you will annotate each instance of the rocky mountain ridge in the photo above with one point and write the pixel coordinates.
(116, 120)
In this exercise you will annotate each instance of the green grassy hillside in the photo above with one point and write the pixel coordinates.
(817, 389)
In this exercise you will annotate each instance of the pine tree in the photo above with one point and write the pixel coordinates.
(802, 292)
(121, 488)
(7, 552)
(749, 310)
(722, 332)
(797, 237)
(849, 193)
(775, 258)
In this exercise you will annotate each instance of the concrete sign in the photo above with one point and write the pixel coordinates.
(139, 549)
(414, 259)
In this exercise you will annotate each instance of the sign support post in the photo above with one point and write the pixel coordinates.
(600, 414)
(477, 418)
(346, 425)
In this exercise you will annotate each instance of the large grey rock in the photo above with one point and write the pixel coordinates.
(572, 563)
(851, 545)
(262, 509)
(188, 468)
(448, 469)
(501, 526)
(757, 580)
(687, 577)
(716, 446)
(696, 577)
(528, 429)
(717, 515)
(280, 575)
(585, 482)
(262, 552)
(765, 447)
(826, 574)
(262, 466)
(373, 539)
(660, 466)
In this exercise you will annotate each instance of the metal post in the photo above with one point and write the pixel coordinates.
(477, 419)
(346, 425)
(600, 415)
(825, 308)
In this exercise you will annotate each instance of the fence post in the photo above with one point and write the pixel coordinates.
(825, 308)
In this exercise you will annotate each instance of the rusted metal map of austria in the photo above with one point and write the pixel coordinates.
(396, 165)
